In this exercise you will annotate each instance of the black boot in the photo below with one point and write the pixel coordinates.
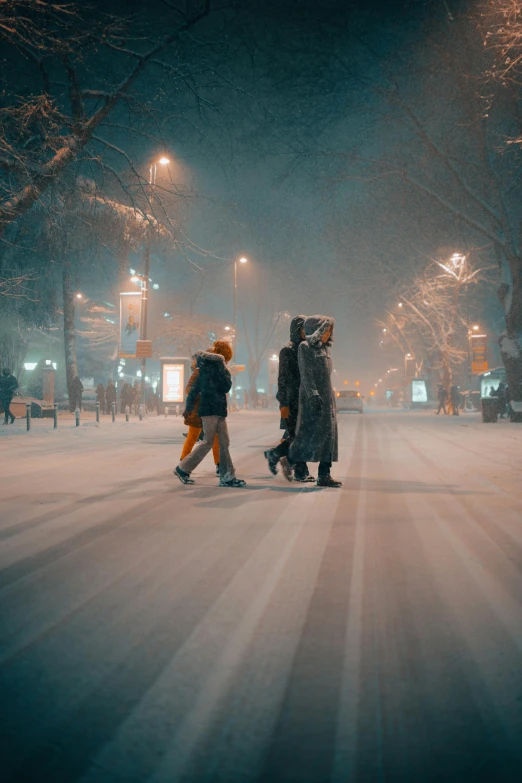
(328, 481)
(272, 459)
(217, 469)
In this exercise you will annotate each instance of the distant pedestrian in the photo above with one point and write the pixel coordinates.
(212, 385)
(76, 393)
(110, 396)
(288, 383)
(455, 400)
(502, 399)
(316, 437)
(152, 400)
(8, 386)
(100, 396)
(194, 422)
(442, 396)
(136, 391)
(126, 397)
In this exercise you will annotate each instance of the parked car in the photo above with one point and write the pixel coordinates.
(349, 401)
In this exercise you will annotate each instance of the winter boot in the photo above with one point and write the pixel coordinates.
(328, 481)
(235, 482)
(273, 459)
(217, 469)
(304, 479)
(287, 469)
(183, 477)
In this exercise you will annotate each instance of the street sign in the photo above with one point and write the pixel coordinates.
(236, 368)
(143, 349)
(479, 347)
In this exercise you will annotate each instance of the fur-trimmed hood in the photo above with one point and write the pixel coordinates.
(296, 325)
(315, 326)
(204, 357)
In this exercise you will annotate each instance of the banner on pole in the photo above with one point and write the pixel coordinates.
(479, 354)
(130, 323)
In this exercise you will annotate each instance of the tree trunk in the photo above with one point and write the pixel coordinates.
(510, 341)
(253, 373)
(447, 374)
(69, 332)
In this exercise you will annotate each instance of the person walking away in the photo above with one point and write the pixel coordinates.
(110, 396)
(212, 385)
(442, 396)
(193, 420)
(455, 400)
(100, 396)
(288, 383)
(124, 397)
(76, 392)
(316, 437)
(136, 397)
(8, 386)
(502, 399)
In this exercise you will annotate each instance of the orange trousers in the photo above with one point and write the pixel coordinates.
(192, 439)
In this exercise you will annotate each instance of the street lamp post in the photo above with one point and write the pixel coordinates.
(242, 260)
(153, 170)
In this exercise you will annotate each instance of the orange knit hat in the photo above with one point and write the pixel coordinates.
(224, 349)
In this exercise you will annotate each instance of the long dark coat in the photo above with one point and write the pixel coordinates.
(289, 380)
(212, 383)
(316, 438)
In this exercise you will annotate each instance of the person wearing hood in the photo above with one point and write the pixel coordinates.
(211, 386)
(193, 420)
(316, 436)
(288, 397)
(8, 386)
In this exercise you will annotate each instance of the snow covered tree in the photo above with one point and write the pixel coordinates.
(431, 317)
(79, 83)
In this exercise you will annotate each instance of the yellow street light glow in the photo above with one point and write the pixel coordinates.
(243, 260)
(78, 296)
(476, 328)
(400, 304)
(385, 330)
(227, 328)
(164, 161)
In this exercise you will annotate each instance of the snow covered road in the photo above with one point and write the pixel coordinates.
(155, 632)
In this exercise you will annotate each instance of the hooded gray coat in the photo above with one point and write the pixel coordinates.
(316, 437)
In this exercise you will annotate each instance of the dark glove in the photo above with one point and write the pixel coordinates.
(186, 414)
(316, 403)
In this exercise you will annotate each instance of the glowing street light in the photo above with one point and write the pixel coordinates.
(79, 296)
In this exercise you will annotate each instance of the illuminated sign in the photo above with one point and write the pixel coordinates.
(173, 383)
(419, 392)
(479, 348)
(175, 372)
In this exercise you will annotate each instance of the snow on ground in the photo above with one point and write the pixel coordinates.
(155, 632)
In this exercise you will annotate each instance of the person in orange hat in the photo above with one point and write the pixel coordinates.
(211, 386)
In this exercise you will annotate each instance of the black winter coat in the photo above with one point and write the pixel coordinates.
(289, 378)
(8, 386)
(212, 386)
(316, 438)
